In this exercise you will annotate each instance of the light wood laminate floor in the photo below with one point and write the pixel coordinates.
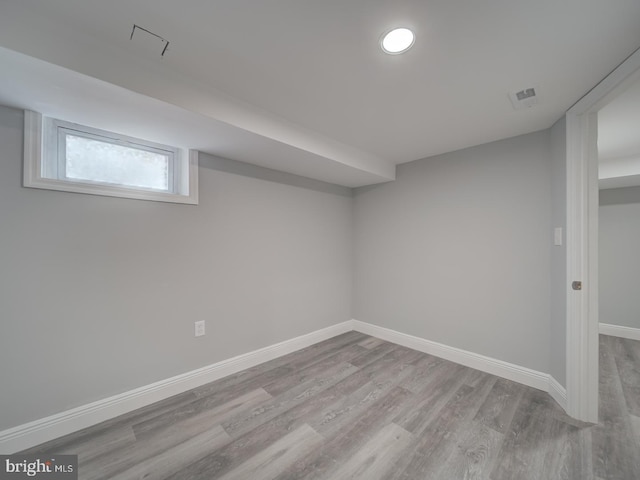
(355, 407)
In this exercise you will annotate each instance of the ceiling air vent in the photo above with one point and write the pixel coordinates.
(526, 98)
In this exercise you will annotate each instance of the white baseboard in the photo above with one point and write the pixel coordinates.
(523, 375)
(503, 369)
(558, 392)
(619, 331)
(39, 431)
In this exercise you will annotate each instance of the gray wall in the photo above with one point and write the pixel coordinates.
(98, 295)
(458, 250)
(619, 256)
(558, 340)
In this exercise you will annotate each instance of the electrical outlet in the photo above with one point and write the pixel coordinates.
(199, 328)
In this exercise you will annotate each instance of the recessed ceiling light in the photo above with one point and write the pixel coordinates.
(398, 40)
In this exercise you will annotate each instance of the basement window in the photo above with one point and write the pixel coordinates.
(69, 157)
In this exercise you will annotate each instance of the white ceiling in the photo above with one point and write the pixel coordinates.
(303, 86)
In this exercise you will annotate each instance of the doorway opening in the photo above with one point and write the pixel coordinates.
(582, 239)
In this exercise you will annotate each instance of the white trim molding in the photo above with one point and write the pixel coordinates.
(620, 331)
(558, 392)
(526, 376)
(43, 145)
(582, 223)
(39, 431)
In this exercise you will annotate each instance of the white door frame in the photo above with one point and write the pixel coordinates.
(582, 239)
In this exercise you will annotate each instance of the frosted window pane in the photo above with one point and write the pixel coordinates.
(97, 161)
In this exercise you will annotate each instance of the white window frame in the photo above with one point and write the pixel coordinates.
(44, 152)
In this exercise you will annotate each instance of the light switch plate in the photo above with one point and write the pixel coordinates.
(199, 329)
(557, 236)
